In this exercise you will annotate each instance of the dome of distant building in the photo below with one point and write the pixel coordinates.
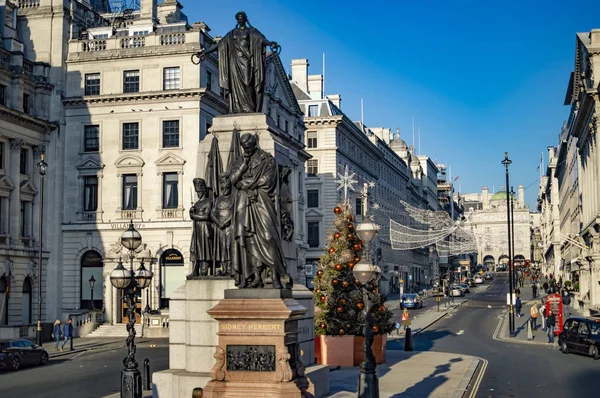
(500, 196)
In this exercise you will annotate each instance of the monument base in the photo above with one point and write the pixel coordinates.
(258, 353)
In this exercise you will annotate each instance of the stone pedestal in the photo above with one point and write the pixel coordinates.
(258, 353)
(192, 337)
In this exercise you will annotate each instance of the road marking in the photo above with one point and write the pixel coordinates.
(460, 332)
(479, 378)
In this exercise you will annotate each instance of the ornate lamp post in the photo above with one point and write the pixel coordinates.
(365, 272)
(512, 232)
(129, 281)
(92, 282)
(43, 167)
(511, 310)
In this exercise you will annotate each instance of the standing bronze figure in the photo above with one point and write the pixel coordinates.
(221, 217)
(242, 55)
(201, 249)
(256, 241)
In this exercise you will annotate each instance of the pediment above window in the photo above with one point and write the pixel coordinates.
(129, 161)
(28, 191)
(6, 186)
(313, 213)
(170, 159)
(90, 164)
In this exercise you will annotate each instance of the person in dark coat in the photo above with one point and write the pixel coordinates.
(68, 333)
(550, 321)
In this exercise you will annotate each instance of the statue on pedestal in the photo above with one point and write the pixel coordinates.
(256, 242)
(221, 217)
(201, 248)
(242, 55)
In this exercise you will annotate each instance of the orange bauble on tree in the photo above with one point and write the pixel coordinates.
(337, 210)
(339, 267)
(331, 250)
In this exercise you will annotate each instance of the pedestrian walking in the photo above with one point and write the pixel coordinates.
(405, 319)
(566, 300)
(518, 307)
(534, 290)
(545, 285)
(68, 333)
(542, 315)
(534, 316)
(57, 333)
(550, 321)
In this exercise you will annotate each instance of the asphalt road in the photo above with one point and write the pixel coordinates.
(513, 370)
(90, 374)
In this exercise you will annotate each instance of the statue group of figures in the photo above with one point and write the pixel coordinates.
(250, 359)
(237, 231)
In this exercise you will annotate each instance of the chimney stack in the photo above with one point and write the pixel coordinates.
(315, 86)
(521, 196)
(300, 73)
(485, 197)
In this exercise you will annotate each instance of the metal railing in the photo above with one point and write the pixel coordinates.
(28, 3)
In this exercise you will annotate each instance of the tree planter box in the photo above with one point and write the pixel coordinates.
(347, 350)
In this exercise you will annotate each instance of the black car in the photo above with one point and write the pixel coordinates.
(17, 353)
(581, 335)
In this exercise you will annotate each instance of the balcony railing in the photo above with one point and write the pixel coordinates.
(28, 67)
(172, 38)
(133, 42)
(94, 45)
(130, 214)
(27, 241)
(171, 214)
(28, 3)
(5, 56)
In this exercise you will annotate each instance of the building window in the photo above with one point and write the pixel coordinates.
(90, 193)
(208, 80)
(141, 33)
(312, 198)
(171, 78)
(92, 84)
(130, 188)
(26, 103)
(91, 138)
(91, 265)
(4, 299)
(26, 301)
(313, 233)
(170, 134)
(358, 206)
(23, 160)
(131, 135)
(2, 94)
(1, 155)
(313, 110)
(25, 217)
(131, 81)
(312, 168)
(311, 139)
(170, 190)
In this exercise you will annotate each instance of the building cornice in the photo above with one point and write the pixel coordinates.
(150, 96)
(323, 121)
(25, 120)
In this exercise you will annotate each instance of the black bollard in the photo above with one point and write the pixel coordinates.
(408, 340)
(71, 342)
(147, 377)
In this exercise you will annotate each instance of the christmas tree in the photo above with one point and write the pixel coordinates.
(338, 296)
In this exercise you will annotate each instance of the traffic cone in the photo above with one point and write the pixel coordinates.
(408, 340)
(529, 332)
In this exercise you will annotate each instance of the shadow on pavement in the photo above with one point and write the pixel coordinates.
(429, 384)
(423, 341)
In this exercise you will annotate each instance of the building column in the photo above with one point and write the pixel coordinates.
(14, 173)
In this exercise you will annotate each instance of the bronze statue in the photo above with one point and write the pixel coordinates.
(221, 217)
(256, 241)
(201, 248)
(242, 55)
(285, 203)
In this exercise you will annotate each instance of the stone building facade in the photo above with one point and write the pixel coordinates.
(486, 216)
(374, 155)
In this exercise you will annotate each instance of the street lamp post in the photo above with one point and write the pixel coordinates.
(365, 272)
(92, 282)
(129, 281)
(511, 311)
(42, 166)
(512, 231)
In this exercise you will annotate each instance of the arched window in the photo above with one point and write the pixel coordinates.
(4, 295)
(92, 280)
(172, 275)
(26, 302)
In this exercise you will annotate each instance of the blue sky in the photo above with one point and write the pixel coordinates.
(479, 77)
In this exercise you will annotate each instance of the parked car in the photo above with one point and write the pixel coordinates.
(478, 280)
(456, 291)
(412, 300)
(581, 335)
(17, 353)
(471, 282)
(488, 276)
(464, 287)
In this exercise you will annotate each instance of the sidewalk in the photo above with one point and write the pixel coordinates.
(539, 337)
(82, 344)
